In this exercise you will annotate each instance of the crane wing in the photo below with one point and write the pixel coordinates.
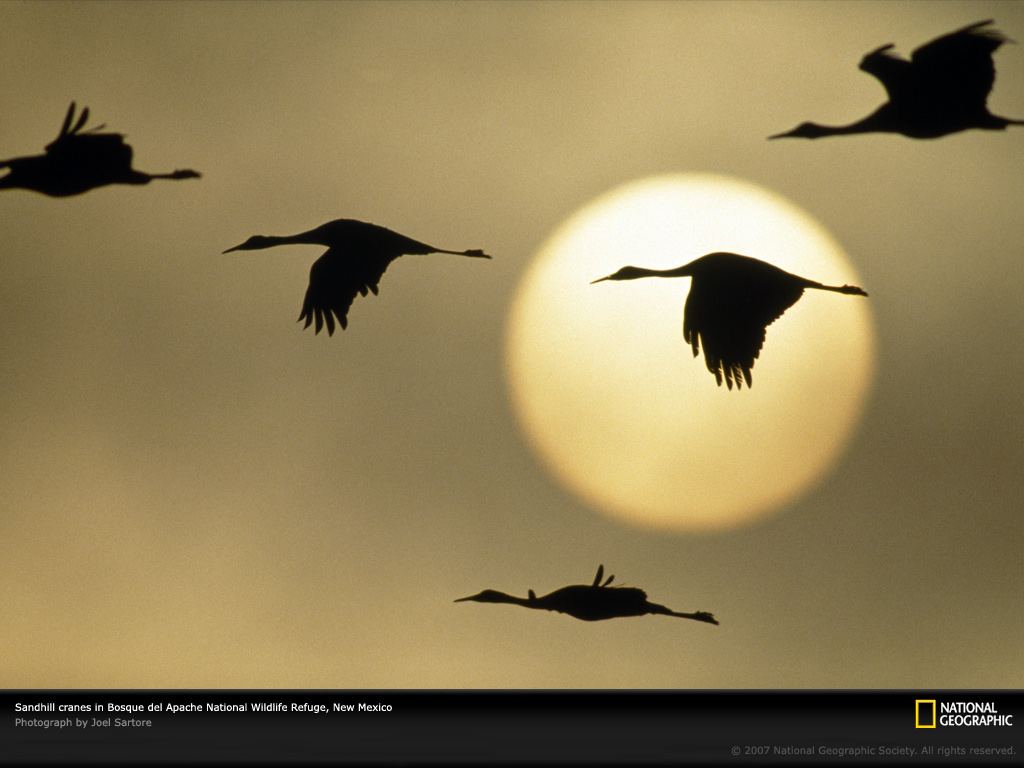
(955, 69)
(960, 63)
(66, 129)
(360, 252)
(729, 319)
(892, 71)
(88, 148)
(334, 283)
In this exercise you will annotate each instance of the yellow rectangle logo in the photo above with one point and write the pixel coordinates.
(925, 713)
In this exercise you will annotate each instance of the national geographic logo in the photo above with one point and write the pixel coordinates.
(930, 713)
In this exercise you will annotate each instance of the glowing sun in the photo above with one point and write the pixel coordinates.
(612, 399)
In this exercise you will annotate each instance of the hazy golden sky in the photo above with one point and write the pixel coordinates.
(196, 493)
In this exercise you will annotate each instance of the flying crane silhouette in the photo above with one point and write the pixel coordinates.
(942, 89)
(79, 160)
(357, 256)
(593, 602)
(732, 301)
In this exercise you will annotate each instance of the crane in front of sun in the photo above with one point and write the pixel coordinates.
(357, 255)
(590, 602)
(942, 89)
(732, 301)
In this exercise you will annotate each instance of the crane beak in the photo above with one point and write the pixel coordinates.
(229, 250)
(463, 599)
(606, 277)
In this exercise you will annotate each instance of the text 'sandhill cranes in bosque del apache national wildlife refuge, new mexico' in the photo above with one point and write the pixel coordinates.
(357, 255)
(732, 301)
(592, 602)
(942, 89)
(79, 160)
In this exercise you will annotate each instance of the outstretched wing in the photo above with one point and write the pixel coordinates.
(334, 283)
(953, 69)
(729, 319)
(88, 151)
(960, 63)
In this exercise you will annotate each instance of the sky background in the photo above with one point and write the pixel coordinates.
(196, 493)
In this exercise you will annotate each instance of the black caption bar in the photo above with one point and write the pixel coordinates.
(348, 727)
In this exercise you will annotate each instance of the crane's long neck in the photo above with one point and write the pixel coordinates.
(527, 602)
(684, 271)
(632, 273)
(307, 238)
(878, 121)
(269, 241)
(867, 125)
(493, 596)
(513, 600)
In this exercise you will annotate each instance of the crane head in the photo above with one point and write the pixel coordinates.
(626, 273)
(704, 616)
(253, 243)
(487, 596)
(804, 131)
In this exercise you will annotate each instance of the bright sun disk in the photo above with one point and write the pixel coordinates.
(611, 397)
